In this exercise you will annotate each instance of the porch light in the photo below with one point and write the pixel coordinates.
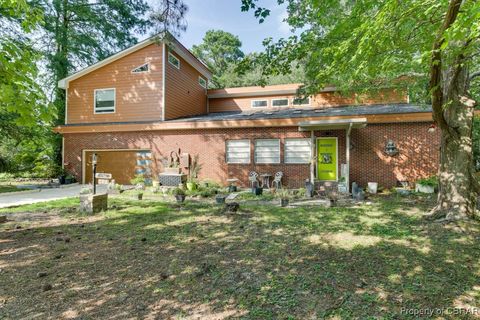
(391, 148)
(94, 159)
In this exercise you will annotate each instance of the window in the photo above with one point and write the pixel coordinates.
(202, 82)
(259, 103)
(301, 101)
(105, 101)
(174, 61)
(298, 150)
(238, 151)
(267, 151)
(143, 68)
(280, 102)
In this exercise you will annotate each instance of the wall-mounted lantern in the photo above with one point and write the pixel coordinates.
(391, 148)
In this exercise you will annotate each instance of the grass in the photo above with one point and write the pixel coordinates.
(4, 188)
(157, 259)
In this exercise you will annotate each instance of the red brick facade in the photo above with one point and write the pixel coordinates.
(418, 156)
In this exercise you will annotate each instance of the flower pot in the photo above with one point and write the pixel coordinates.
(191, 186)
(140, 196)
(372, 187)
(232, 188)
(172, 170)
(61, 179)
(284, 202)
(220, 199)
(423, 188)
(180, 198)
(258, 191)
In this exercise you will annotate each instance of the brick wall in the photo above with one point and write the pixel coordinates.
(418, 157)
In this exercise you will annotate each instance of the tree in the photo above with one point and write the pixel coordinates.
(219, 50)
(22, 100)
(355, 44)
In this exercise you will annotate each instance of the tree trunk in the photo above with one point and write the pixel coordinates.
(457, 195)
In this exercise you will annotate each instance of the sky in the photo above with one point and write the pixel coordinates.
(226, 15)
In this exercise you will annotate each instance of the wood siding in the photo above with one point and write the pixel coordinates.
(323, 99)
(138, 96)
(183, 94)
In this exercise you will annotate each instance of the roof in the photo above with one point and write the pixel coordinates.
(355, 110)
(175, 45)
(279, 89)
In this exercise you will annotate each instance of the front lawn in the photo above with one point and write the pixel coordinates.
(159, 260)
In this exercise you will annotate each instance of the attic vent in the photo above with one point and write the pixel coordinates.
(143, 68)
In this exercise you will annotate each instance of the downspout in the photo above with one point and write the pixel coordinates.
(347, 154)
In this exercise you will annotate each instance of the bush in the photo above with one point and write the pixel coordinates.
(178, 192)
(430, 181)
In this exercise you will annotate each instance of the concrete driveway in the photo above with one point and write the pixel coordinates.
(35, 196)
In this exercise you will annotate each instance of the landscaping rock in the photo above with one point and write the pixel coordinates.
(18, 227)
(66, 239)
(47, 287)
(232, 207)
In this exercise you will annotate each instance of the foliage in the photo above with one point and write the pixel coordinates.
(430, 181)
(169, 16)
(139, 179)
(283, 194)
(219, 51)
(178, 192)
(86, 190)
(429, 46)
(476, 142)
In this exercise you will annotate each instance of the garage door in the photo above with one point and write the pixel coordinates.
(122, 164)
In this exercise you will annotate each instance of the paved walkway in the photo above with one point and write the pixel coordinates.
(29, 197)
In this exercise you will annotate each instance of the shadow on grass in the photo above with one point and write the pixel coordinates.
(160, 260)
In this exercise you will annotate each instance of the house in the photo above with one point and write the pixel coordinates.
(138, 106)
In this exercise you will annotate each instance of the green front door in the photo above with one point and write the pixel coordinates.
(327, 159)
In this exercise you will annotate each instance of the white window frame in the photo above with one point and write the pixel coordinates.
(174, 57)
(296, 139)
(249, 152)
(255, 151)
(302, 105)
(145, 64)
(288, 103)
(200, 83)
(95, 100)
(252, 101)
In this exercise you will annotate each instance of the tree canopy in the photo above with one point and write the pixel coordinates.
(367, 43)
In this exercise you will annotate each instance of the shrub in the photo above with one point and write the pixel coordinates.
(178, 192)
(139, 179)
(430, 181)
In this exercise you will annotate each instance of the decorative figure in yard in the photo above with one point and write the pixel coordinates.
(391, 148)
(174, 159)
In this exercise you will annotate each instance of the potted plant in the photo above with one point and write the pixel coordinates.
(220, 198)
(426, 185)
(179, 194)
(258, 191)
(138, 181)
(62, 175)
(284, 196)
(333, 197)
(342, 185)
(191, 184)
(69, 179)
(140, 195)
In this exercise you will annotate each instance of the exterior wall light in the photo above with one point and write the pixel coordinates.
(391, 148)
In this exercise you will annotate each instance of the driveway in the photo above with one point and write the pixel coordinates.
(29, 197)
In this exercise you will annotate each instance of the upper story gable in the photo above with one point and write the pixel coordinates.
(151, 81)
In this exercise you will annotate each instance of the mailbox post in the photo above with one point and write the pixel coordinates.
(94, 164)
